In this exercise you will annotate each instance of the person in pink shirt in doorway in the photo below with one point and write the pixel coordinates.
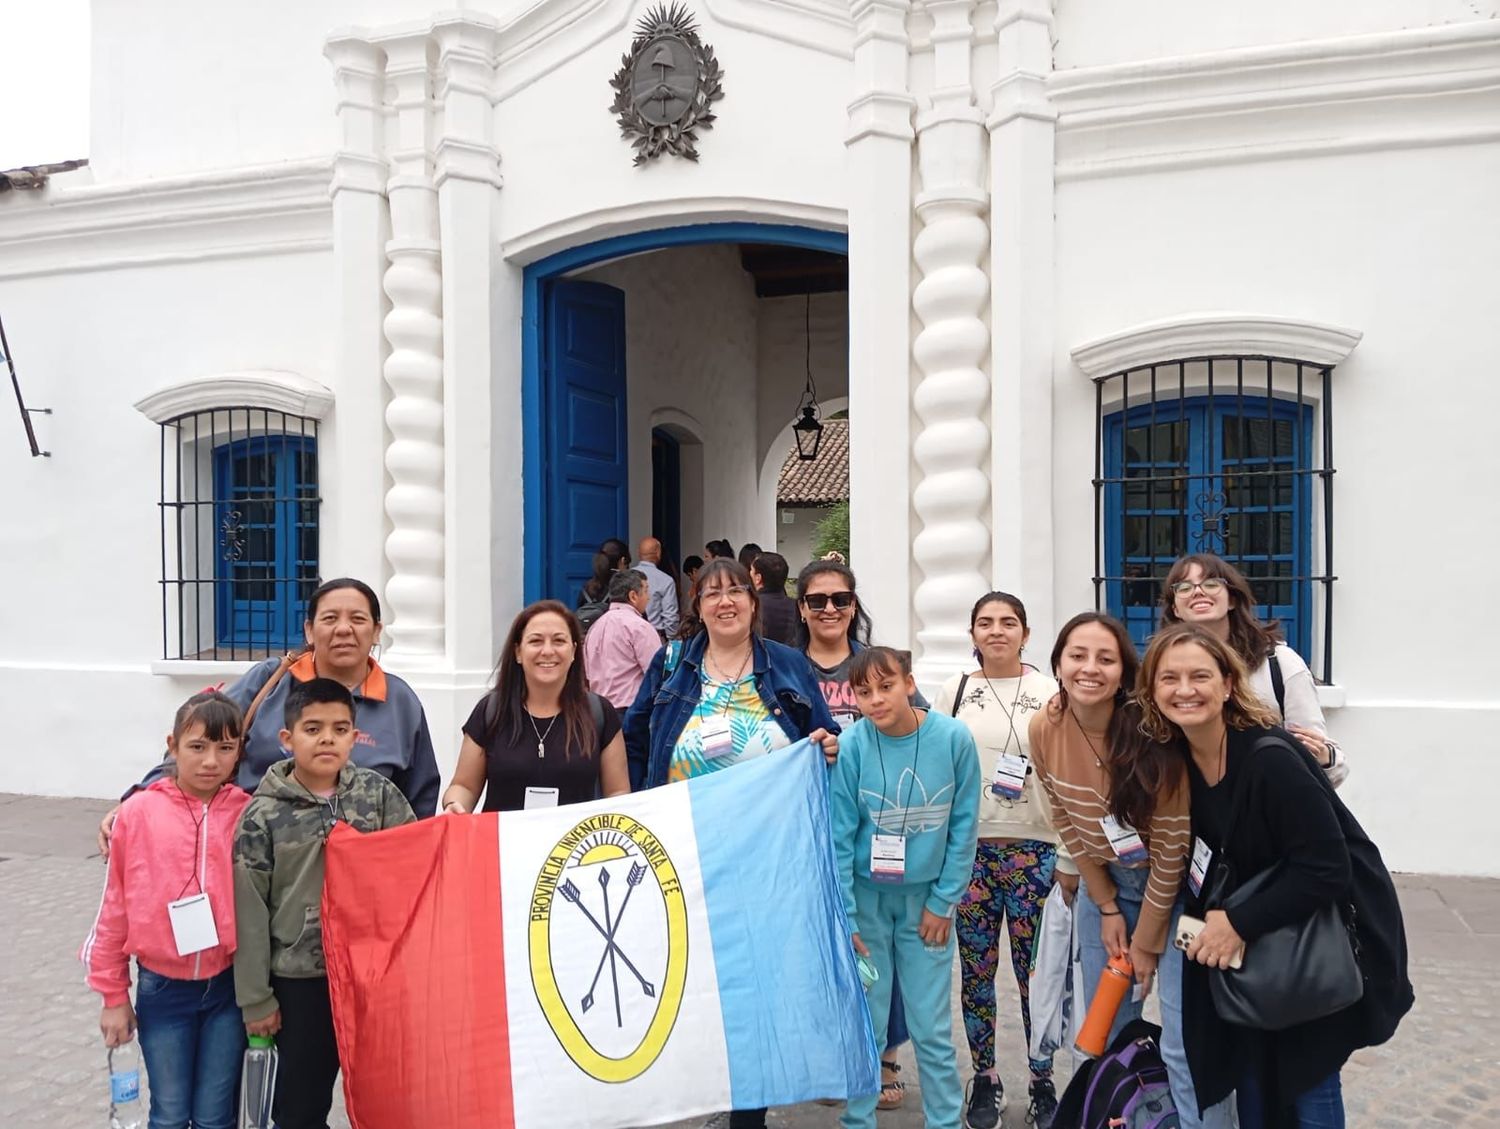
(621, 644)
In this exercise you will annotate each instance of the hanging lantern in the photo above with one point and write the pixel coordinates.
(808, 429)
(809, 433)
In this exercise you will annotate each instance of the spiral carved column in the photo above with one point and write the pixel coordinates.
(953, 446)
(414, 369)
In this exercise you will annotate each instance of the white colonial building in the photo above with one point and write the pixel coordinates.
(360, 287)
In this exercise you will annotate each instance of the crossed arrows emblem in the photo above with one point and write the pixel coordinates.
(612, 951)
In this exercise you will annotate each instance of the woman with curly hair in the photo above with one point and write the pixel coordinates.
(1209, 591)
(1259, 806)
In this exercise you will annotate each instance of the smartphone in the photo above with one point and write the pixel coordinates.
(1188, 928)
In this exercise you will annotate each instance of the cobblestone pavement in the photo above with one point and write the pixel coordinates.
(1442, 1068)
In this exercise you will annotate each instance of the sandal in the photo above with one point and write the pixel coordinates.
(892, 1089)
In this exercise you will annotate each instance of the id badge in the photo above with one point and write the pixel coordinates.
(1124, 840)
(1010, 776)
(1198, 870)
(193, 925)
(887, 858)
(718, 741)
(540, 798)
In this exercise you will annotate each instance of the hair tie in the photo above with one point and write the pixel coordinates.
(212, 689)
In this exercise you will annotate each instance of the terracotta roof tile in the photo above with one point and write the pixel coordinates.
(823, 481)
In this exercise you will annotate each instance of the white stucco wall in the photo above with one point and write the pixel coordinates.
(81, 535)
(1397, 244)
(1095, 32)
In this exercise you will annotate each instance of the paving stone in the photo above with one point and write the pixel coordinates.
(1442, 1069)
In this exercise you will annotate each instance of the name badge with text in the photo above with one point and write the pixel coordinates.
(887, 858)
(1010, 776)
(1198, 870)
(540, 798)
(1123, 840)
(718, 740)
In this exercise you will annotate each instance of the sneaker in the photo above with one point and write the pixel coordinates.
(986, 1103)
(1043, 1107)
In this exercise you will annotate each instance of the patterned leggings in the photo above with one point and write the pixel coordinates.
(1010, 883)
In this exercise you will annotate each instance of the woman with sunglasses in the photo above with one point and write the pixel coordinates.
(831, 629)
(722, 697)
(1209, 591)
(1013, 867)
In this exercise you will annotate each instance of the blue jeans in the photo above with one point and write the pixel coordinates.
(895, 1031)
(1321, 1107)
(193, 1041)
(1131, 886)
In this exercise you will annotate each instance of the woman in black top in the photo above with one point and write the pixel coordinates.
(1195, 694)
(539, 739)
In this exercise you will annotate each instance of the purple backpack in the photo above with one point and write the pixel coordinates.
(1126, 1088)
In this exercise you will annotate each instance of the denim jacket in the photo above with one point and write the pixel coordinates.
(664, 703)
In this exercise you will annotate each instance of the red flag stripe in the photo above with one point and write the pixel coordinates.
(413, 940)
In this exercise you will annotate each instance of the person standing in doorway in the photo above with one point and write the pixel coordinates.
(721, 548)
(620, 646)
(1017, 852)
(778, 611)
(661, 605)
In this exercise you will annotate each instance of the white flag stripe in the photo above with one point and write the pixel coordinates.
(584, 1006)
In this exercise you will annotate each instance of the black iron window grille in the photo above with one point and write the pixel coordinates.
(1231, 455)
(239, 532)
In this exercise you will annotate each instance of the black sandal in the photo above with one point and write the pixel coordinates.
(892, 1093)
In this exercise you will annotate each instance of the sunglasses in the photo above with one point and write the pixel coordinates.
(817, 601)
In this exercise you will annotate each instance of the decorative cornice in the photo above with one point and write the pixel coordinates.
(1401, 89)
(229, 213)
(646, 215)
(1213, 335)
(275, 391)
(821, 25)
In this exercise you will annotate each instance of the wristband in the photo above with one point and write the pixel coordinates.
(1109, 913)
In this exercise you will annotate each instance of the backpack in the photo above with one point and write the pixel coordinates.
(589, 612)
(1125, 1088)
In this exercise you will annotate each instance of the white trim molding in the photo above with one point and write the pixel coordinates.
(1391, 90)
(227, 213)
(1213, 335)
(275, 391)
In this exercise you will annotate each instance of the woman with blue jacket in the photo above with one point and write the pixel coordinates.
(721, 697)
(725, 695)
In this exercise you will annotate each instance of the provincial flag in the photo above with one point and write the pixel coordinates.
(630, 961)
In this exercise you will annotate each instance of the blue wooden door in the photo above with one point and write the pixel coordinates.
(587, 477)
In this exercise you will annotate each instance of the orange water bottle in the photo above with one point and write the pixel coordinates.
(1114, 982)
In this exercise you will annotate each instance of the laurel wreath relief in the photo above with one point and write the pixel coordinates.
(680, 137)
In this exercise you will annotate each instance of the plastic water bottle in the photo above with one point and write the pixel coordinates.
(258, 1083)
(126, 1110)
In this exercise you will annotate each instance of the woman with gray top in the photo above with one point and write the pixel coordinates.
(342, 628)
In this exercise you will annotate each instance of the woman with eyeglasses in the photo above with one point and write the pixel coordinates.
(720, 698)
(1017, 854)
(1120, 802)
(1209, 591)
(832, 628)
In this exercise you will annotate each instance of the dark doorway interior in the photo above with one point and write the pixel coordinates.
(666, 494)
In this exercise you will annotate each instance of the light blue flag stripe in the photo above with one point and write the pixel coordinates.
(796, 1024)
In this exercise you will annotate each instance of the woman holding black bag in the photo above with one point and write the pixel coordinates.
(1279, 866)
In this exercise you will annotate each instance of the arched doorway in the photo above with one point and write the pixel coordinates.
(576, 457)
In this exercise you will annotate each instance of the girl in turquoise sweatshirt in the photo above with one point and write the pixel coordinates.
(905, 799)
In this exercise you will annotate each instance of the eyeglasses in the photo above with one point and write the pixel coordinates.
(817, 601)
(1210, 587)
(718, 595)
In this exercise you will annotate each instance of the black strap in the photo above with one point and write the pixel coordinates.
(596, 711)
(1278, 683)
(958, 695)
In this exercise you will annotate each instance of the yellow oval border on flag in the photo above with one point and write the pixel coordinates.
(544, 981)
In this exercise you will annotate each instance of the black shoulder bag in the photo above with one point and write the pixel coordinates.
(1291, 975)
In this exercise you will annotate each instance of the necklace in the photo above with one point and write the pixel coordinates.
(740, 673)
(1098, 760)
(541, 737)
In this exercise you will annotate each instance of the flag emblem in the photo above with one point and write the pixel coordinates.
(608, 945)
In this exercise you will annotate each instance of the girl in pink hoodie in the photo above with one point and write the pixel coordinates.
(169, 902)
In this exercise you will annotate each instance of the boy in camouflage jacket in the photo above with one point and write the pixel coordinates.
(280, 980)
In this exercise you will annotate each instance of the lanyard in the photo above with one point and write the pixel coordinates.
(915, 759)
(198, 822)
(1010, 714)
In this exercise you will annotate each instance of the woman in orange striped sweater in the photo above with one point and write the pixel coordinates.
(1120, 806)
